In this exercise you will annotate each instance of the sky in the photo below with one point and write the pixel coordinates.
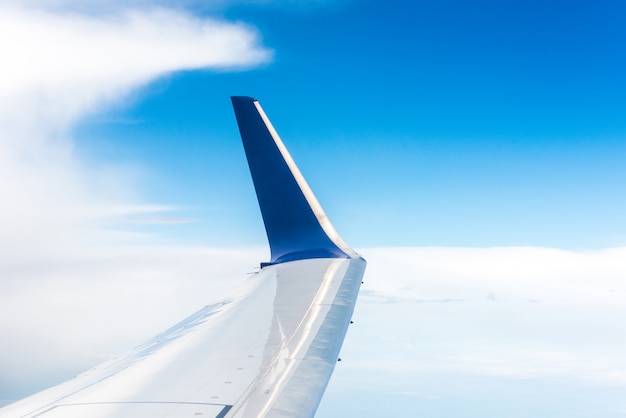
(471, 151)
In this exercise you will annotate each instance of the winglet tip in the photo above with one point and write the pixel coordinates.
(242, 99)
(296, 225)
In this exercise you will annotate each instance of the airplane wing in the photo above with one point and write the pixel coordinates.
(267, 351)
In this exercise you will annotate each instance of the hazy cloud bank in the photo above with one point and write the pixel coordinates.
(519, 313)
(537, 332)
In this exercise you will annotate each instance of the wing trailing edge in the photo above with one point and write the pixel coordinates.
(296, 225)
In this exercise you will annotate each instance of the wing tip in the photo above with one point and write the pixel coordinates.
(242, 99)
(296, 225)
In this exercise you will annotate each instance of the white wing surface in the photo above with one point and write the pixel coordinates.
(269, 350)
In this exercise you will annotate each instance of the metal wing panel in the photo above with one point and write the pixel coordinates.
(301, 372)
(267, 352)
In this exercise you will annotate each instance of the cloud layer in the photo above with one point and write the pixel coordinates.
(425, 315)
(512, 312)
(487, 331)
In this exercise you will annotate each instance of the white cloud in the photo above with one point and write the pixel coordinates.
(515, 313)
(58, 67)
(94, 6)
(549, 343)
(59, 268)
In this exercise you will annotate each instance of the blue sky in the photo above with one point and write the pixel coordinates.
(472, 151)
(428, 123)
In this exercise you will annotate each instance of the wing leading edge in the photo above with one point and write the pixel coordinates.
(267, 351)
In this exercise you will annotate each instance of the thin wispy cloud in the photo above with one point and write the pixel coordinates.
(112, 5)
(59, 67)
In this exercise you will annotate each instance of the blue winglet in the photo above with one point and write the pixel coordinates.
(296, 225)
